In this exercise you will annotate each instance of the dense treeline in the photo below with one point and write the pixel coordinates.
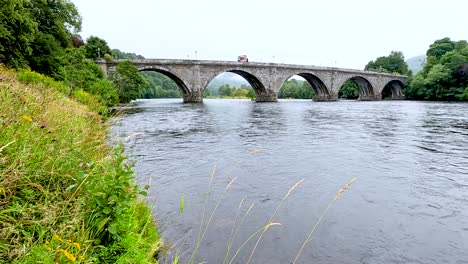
(42, 36)
(393, 63)
(159, 86)
(445, 75)
(227, 91)
(296, 89)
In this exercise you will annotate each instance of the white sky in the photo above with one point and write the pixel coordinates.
(341, 33)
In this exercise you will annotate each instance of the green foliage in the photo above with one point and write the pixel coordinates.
(46, 53)
(106, 91)
(159, 86)
(17, 30)
(58, 177)
(296, 89)
(465, 94)
(55, 21)
(91, 101)
(239, 92)
(105, 207)
(29, 77)
(393, 63)
(124, 55)
(77, 71)
(251, 93)
(80, 73)
(96, 48)
(35, 33)
(128, 81)
(440, 47)
(225, 90)
(349, 90)
(445, 75)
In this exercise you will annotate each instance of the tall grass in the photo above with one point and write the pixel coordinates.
(65, 195)
(239, 220)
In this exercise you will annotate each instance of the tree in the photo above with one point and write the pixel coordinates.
(297, 89)
(159, 86)
(440, 47)
(349, 90)
(77, 71)
(128, 80)
(124, 55)
(55, 20)
(96, 48)
(106, 91)
(445, 75)
(17, 30)
(251, 93)
(239, 92)
(393, 63)
(224, 90)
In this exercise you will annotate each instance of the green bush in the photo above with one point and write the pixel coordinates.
(465, 94)
(30, 77)
(106, 92)
(91, 101)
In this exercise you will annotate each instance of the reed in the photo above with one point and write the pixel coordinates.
(270, 221)
(309, 236)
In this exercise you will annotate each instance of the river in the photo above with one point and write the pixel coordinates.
(409, 203)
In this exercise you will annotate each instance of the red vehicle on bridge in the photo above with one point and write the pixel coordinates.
(242, 58)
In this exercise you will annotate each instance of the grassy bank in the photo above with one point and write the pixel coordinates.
(65, 195)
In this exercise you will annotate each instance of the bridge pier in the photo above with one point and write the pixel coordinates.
(263, 98)
(325, 97)
(398, 97)
(193, 98)
(370, 97)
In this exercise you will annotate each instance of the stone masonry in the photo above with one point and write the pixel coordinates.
(193, 76)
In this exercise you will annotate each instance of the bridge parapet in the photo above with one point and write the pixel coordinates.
(193, 76)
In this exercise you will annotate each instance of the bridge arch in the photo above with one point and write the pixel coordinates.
(254, 81)
(179, 81)
(393, 90)
(321, 90)
(366, 90)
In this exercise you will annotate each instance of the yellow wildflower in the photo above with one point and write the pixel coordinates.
(77, 245)
(68, 255)
(27, 118)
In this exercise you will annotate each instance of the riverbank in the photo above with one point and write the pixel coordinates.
(66, 196)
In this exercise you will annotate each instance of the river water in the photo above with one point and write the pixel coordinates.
(409, 203)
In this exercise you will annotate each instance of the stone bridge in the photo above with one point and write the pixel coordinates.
(193, 76)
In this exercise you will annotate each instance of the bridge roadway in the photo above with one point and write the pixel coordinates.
(193, 76)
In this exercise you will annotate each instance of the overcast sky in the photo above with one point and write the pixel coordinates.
(341, 33)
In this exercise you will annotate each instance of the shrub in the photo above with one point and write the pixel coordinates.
(91, 101)
(30, 77)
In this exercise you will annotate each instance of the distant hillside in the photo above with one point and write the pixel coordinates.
(125, 55)
(228, 78)
(416, 63)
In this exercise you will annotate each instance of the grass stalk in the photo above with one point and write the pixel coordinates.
(309, 237)
(271, 219)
